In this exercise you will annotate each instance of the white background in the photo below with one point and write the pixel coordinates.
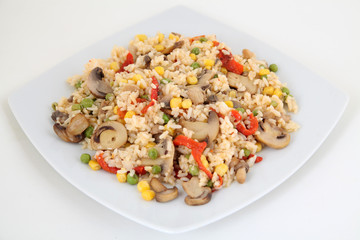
(320, 201)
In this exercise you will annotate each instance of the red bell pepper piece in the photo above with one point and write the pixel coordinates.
(253, 126)
(140, 100)
(236, 115)
(229, 63)
(140, 170)
(144, 110)
(100, 159)
(154, 91)
(258, 159)
(129, 60)
(121, 114)
(216, 43)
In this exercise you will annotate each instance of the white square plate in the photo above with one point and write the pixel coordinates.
(316, 117)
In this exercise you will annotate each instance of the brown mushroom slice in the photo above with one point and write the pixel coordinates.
(236, 104)
(130, 88)
(192, 187)
(147, 61)
(204, 198)
(96, 85)
(234, 79)
(77, 124)
(205, 76)
(166, 100)
(59, 116)
(211, 99)
(177, 44)
(196, 95)
(272, 136)
(167, 195)
(247, 53)
(109, 135)
(157, 186)
(214, 126)
(62, 133)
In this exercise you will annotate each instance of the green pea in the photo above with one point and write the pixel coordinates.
(54, 105)
(89, 131)
(187, 155)
(145, 97)
(156, 169)
(203, 39)
(195, 65)
(75, 107)
(165, 118)
(255, 112)
(109, 96)
(153, 153)
(246, 152)
(285, 90)
(240, 110)
(194, 170)
(273, 67)
(210, 184)
(85, 158)
(195, 51)
(273, 103)
(216, 76)
(86, 102)
(134, 179)
(165, 81)
(78, 84)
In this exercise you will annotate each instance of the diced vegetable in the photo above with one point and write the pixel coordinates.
(89, 131)
(85, 158)
(156, 169)
(153, 153)
(194, 170)
(134, 179)
(273, 67)
(195, 51)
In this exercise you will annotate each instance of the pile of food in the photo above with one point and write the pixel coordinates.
(176, 110)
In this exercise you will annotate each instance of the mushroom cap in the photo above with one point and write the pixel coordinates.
(156, 185)
(192, 187)
(95, 84)
(109, 135)
(62, 133)
(201, 200)
(234, 79)
(177, 44)
(272, 136)
(77, 124)
(167, 195)
(196, 95)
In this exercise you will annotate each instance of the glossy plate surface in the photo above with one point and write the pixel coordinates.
(176, 216)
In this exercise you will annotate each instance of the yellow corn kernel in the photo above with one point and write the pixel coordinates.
(223, 70)
(268, 90)
(115, 66)
(169, 129)
(121, 177)
(221, 169)
(173, 37)
(136, 77)
(160, 37)
(192, 80)
(278, 92)
(209, 62)
(141, 84)
(129, 114)
(232, 94)
(210, 43)
(148, 195)
(246, 68)
(186, 103)
(116, 108)
(160, 70)
(230, 104)
(141, 37)
(193, 56)
(94, 165)
(175, 102)
(208, 67)
(264, 71)
(123, 80)
(159, 47)
(150, 145)
(143, 186)
(204, 161)
(259, 147)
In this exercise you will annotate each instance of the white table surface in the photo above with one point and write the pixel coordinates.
(320, 201)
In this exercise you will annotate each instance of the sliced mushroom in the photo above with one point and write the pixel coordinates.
(156, 129)
(192, 187)
(130, 88)
(61, 132)
(109, 135)
(156, 185)
(96, 85)
(166, 152)
(241, 169)
(205, 77)
(147, 61)
(167, 195)
(203, 130)
(59, 116)
(234, 80)
(211, 99)
(196, 95)
(204, 198)
(272, 136)
(166, 100)
(177, 44)
(77, 124)
(247, 53)
(176, 34)
(236, 104)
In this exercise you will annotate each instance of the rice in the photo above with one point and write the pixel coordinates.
(140, 102)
